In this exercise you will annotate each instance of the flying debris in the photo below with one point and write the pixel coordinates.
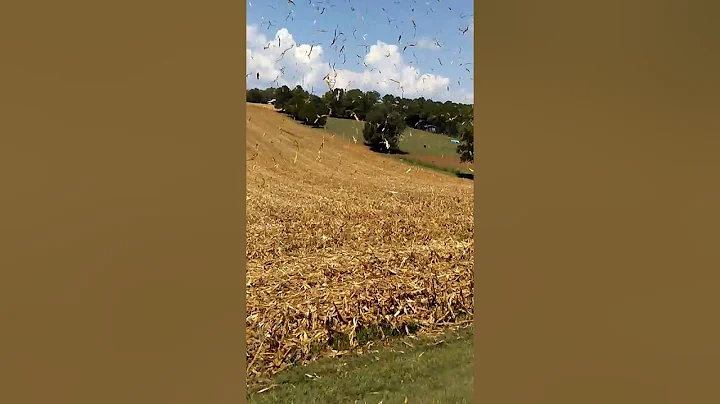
(404, 70)
(319, 117)
(335, 37)
(282, 55)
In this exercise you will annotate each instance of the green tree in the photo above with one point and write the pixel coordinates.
(412, 113)
(368, 101)
(372, 97)
(353, 103)
(321, 111)
(388, 99)
(268, 94)
(312, 111)
(334, 100)
(308, 113)
(382, 130)
(282, 97)
(299, 92)
(467, 137)
(255, 96)
(344, 103)
(299, 98)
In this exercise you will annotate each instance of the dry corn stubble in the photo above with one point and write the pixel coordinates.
(344, 244)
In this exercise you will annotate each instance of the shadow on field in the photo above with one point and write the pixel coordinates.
(381, 150)
(467, 176)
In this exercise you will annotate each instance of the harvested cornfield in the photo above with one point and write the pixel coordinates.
(343, 243)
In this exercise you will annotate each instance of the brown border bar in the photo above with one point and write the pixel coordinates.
(122, 202)
(597, 215)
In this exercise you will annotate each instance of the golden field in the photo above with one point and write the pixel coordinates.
(343, 243)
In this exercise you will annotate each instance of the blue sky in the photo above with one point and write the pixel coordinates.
(370, 51)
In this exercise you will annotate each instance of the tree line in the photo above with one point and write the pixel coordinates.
(385, 117)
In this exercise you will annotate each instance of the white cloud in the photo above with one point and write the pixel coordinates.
(385, 69)
(427, 44)
(281, 58)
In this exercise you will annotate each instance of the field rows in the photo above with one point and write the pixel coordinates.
(344, 245)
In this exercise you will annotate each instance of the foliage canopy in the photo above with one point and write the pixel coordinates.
(385, 116)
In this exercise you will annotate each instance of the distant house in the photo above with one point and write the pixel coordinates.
(430, 128)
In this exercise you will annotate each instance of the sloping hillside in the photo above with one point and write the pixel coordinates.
(344, 244)
(430, 148)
